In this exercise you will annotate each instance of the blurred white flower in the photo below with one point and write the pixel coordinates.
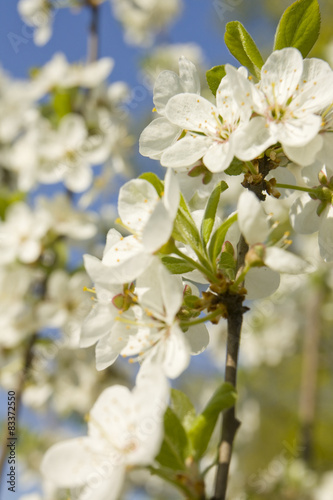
(142, 20)
(37, 14)
(22, 232)
(125, 428)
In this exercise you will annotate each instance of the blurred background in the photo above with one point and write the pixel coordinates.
(284, 449)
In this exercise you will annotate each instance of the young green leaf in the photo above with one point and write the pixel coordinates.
(210, 211)
(183, 408)
(177, 266)
(217, 240)
(299, 26)
(175, 446)
(214, 77)
(228, 264)
(204, 424)
(243, 48)
(154, 180)
(235, 167)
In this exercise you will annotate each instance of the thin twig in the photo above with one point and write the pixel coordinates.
(308, 391)
(28, 357)
(93, 42)
(230, 423)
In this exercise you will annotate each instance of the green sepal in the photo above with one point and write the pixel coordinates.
(177, 266)
(154, 180)
(214, 77)
(243, 48)
(217, 240)
(236, 167)
(299, 26)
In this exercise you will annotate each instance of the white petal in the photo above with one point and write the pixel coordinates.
(186, 151)
(112, 238)
(303, 216)
(285, 262)
(281, 74)
(97, 324)
(189, 76)
(100, 274)
(78, 178)
(172, 293)
(166, 86)
(325, 236)
(198, 338)
(110, 346)
(68, 463)
(247, 96)
(137, 200)
(128, 259)
(158, 229)
(158, 136)
(316, 86)
(171, 193)
(261, 282)
(306, 154)
(29, 251)
(252, 220)
(219, 156)
(192, 112)
(177, 353)
(253, 138)
(298, 131)
(106, 483)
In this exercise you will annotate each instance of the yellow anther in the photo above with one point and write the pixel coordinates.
(154, 110)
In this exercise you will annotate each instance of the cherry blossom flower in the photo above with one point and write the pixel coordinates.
(37, 13)
(125, 429)
(309, 214)
(286, 102)
(143, 19)
(150, 219)
(161, 133)
(22, 232)
(155, 334)
(211, 131)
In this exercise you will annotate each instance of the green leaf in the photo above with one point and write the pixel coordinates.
(62, 103)
(299, 26)
(210, 211)
(204, 424)
(183, 408)
(185, 230)
(175, 445)
(177, 266)
(243, 48)
(228, 264)
(7, 198)
(154, 180)
(217, 240)
(235, 167)
(214, 77)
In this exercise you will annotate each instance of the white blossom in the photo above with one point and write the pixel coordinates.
(125, 429)
(287, 101)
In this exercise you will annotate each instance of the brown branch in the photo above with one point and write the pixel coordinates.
(308, 390)
(28, 357)
(93, 42)
(230, 423)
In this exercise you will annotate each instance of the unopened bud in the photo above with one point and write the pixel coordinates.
(255, 256)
